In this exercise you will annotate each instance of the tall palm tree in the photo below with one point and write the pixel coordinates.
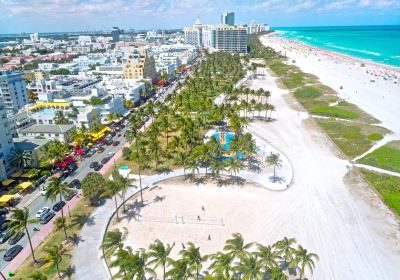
(57, 188)
(217, 166)
(250, 267)
(19, 222)
(141, 266)
(221, 265)
(21, 159)
(234, 165)
(111, 190)
(61, 223)
(285, 248)
(54, 255)
(193, 257)
(60, 118)
(274, 160)
(180, 269)
(159, 254)
(236, 247)
(303, 259)
(113, 242)
(268, 256)
(277, 273)
(123, 183)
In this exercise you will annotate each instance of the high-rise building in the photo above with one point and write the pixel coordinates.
(6, 142)
(230, 38)
(257, 28)
(13, 90)
(34, 37)
(140, 65)
(228, 18)
(115, 32)
(193, 35)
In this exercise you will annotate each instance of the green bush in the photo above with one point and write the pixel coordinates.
(308, 92)
(375, 137)
(293, 80)
(334, 112)
(343, 103)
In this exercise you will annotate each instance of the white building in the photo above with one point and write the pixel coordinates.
(47, 66)
(6, 142)
(88, 117)
(18, 120)
(61, 133)
(84, 40)
(13, 90)
(34, 37)
(193, 35)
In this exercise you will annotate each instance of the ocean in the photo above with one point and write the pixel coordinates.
(375, 43)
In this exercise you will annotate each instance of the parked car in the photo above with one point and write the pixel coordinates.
(98, 167)
(100, 150)
(3, 211)
(15, 238)
(43, 191)
(12, 252)
(57, 207)
(91, 152)
(115, 143)
(75, 184)
(110, 154)
(4, 236)
(93, 164)
(105, 160)
(42, 211)
(47, 217)
(69, 196)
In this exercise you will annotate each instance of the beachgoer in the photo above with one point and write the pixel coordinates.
(209, 237)
(202, 208)
(183, 246)
(198, 217)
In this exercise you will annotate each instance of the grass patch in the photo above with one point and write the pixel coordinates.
(386, 157)
(278, 67)
(388, 186)
(343, 103)
(375, 137)
(293, 79)
(308, 92)
(351, 138)
(56, 238)
(333, 111)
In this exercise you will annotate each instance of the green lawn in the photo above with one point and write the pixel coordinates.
(386, 157)
(334, 111)
(293, 79)
(308, 92)
(375, 137)
(352, 139)
(388, 186)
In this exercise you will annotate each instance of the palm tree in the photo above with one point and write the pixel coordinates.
(54, 256)
(159, 254)
(57, 188)
(236, 247)
(19, 222)
(61, 223)
(21, 159)
(60, 118)
(285, 248)
(303, 259)
(277, 274)
(217, 166)
(221, 265)
(193, 257)
(251, 267)
(123, 183)
(113, 242)
(141, 265)
(275, 160)
(112, 189)
(234, 165)
(268, 256)
(180, 269)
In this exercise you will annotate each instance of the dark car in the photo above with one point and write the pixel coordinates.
(98, 167)
(105, 160)
(75, 184)
(57, 207)
(115, 143)
(100, 150)
(93, 164)
(109, 142)
(69, 196)
(47, 217)
(14, 240)
(4, 236)
(12, 252)
(3, 211)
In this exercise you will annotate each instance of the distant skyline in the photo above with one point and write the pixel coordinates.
(18, 16)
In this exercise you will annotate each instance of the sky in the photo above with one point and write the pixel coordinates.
(87, 15)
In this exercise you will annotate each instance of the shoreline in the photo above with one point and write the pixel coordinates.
(374, 88)
(347, 56)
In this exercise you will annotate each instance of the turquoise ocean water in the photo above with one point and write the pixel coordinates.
(376, 43)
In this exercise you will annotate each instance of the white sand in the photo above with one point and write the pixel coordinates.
(336, 216)
(380, 98)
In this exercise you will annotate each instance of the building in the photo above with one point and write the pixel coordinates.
(13, 90)
(36, 147)
(115, 32)
(140, 65)
(207, 36)
(87, 117)
(231, 38)
(47, 66)
(34, 37)
(6, 142)
(228, 18)
(193, 35)
(61, 133)
(255, 28)
(18, 120)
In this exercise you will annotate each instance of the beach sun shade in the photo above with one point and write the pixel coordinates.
(6, 198)
(7, 182)
(17, 174)
(25, 185)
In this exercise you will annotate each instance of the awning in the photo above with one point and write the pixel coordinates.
(6, 198)
(17, 174)
(25, 185)
(7, 182)
(27, 175)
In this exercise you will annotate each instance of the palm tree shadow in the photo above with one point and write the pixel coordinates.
(75, 239)
(200, 180)
(254, 165)
(133, 211)
(69, 271)
(83, 219)
(277, 179)
(163, 171)
(158, 198)
(236, 180)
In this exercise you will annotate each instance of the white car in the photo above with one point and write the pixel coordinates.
(42, 211)
(110, 154)
(43, 191)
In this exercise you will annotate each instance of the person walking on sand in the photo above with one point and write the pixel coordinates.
(198, 217)
(209, 237)
(183, 246)
(202, 208)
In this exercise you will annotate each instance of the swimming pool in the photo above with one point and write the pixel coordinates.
(48, 111)
(225, 139)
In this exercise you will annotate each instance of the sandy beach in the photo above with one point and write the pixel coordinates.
(329, 210)
(375, 88)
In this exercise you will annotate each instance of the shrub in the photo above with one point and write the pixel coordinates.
(308, 92)
(375, 137)
(126, 153)
(334, 112)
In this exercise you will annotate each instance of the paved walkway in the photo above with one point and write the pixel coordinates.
(87, 257)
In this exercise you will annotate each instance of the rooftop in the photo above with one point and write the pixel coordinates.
(47, 128)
